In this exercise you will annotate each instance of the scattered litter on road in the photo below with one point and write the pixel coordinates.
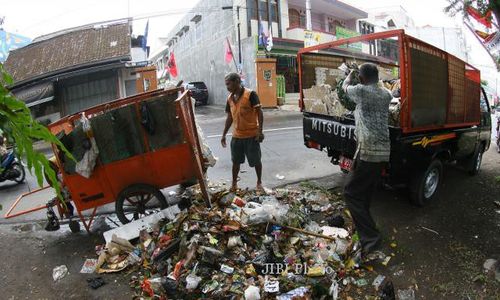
(378, 281)
(271, 285)
(89, 266)
(295, 294)
(386, 260)
(95, 282)
(192, 281)
(280, 177)
(408, 294)
(247, 244)
(489, 265)
(361, 282)
(428, 229)
(131, 230)
(59, 272)
(252, 293)
(334, 290)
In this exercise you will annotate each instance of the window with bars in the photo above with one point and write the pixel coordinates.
(264, 10)
(274, 11)
(254, 9)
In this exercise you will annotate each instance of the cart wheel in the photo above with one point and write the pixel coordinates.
(135, 202)
(74, 226)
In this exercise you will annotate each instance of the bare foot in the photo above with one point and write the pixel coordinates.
(234, 188)
(259, 188)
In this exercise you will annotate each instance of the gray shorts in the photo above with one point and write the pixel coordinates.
(248, 147)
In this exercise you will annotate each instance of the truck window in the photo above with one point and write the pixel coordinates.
(484, 104)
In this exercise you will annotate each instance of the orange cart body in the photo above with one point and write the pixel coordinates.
(160, 168)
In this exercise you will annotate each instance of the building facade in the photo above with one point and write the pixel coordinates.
(199, 40)
(65, 72)
(449, 39)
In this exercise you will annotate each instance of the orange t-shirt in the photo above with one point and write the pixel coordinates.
(244, 113)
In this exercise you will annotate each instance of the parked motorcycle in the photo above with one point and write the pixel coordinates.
(12, 169)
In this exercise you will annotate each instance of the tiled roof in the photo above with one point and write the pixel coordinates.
(86, 46)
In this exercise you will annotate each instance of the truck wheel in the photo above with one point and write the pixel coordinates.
(475, 163)
(425, 185)
(135, 202)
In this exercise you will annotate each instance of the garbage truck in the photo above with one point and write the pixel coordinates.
(439, 113)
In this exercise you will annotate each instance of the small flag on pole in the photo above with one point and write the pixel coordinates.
(145, 38)
(228, 53)
(262, 34)
(172, 67)
(269, 45)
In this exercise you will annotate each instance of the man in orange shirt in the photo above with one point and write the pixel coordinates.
(245, 114)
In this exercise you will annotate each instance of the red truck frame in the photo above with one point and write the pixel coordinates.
(468, 99)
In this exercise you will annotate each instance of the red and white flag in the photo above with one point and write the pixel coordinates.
(172, 67)
(228, 52)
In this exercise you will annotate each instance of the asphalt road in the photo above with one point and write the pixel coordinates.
(437, 250)
(283, 153)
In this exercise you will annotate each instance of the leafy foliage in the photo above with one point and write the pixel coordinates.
(20, 128)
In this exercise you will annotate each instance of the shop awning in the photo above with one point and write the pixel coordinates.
(36, 94)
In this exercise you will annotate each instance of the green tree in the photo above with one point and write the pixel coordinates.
(484, 82)
(18, 126)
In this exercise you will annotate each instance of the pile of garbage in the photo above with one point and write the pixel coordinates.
(289, 243)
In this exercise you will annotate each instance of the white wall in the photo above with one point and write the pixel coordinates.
(199, 54)
(450, 40)
(138, 54)
(285, 22)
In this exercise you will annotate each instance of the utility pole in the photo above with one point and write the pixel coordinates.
(239, 32)
(308, 15)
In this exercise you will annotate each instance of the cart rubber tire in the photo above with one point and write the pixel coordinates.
(475, 161)
(74, 226)
(134, 189)
(20, 167)
(425, 185)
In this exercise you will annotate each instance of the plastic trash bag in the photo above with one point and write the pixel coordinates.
(270, 210)
(59, 272)
(85, 166)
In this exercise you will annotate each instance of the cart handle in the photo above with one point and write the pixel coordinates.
(30, 210)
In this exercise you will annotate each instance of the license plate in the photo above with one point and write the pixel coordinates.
(345, 163)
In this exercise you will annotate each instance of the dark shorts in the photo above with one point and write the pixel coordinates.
(248, 147)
